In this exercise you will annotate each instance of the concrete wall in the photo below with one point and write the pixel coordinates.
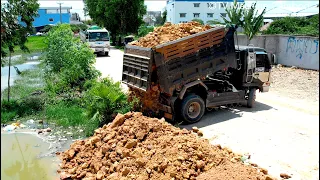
(299, 51)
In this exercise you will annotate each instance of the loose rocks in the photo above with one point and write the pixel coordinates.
(137, 147)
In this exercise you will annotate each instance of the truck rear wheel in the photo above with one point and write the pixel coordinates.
(251, 98)
(192, 108)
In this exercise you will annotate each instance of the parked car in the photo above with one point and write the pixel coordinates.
(39, 34)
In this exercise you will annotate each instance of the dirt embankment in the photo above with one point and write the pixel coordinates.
(295, 83)
(137, 147)
(170, 32)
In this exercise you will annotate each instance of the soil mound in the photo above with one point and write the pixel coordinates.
(137, 147)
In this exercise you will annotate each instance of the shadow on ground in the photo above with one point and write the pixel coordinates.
(225, 114)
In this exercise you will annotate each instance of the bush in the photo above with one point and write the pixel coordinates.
(23, 107)
(295, 26)
(77, 27)
(69, 62)
(144, 30)
(198, 20)
(104, 100)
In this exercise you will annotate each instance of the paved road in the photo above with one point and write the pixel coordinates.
(281, 134)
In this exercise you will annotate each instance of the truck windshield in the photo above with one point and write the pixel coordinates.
(98, 36)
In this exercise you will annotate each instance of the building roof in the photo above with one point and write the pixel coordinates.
(239, 1)
(55, 7)
(275, 15)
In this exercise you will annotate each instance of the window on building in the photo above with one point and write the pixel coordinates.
(223, 5)
(210, 15)
(51, 19)
(223, 14)
(196, 4)
(183, 15)
(51, 11)
(196, 15)
(64, 11)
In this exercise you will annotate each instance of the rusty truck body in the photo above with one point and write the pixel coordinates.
(197, 72)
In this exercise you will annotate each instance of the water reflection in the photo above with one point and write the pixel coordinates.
(19, 158)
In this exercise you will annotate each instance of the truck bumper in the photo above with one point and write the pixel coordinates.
(100, 49)
(265, 88)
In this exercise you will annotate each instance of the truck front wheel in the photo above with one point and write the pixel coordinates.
(192, 108)
(251, 98)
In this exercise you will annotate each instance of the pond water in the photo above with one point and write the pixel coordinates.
(13, 73)
(21, 158)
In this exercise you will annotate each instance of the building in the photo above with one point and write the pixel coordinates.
(152, 17)
(51, 15)
(75, 19)
(179, 11)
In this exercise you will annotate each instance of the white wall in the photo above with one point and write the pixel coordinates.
(299, 51)
(174, 8)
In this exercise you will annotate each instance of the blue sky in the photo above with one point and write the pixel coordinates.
(283, 6)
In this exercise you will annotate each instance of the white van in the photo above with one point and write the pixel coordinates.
(98, 39)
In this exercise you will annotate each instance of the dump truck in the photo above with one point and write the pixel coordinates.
(201, 71)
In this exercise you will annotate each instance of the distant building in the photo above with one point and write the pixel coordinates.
(151, 17)
(51, 15)
(179, 11)
(75, 19)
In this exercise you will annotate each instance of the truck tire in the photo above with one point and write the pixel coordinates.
(106, 53)
(192, 108)
(251, 98)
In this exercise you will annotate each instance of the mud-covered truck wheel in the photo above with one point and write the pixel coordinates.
(192, 108)
(251, 98)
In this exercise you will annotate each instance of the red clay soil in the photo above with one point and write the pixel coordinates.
(137, 147)
(169, 32)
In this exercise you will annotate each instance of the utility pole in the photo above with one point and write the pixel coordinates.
(60, 12)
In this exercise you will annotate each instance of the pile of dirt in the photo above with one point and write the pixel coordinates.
(137, 147)
(170, 32)
(148, 100)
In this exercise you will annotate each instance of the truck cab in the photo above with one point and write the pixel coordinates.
(98, 40)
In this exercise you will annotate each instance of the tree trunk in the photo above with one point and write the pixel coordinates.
(114, 39)
(9, 75)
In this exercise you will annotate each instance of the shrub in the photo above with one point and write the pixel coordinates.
(69, 62)
(23, 107)
(144, 30)
(104, 100)
(198, 20)
(295, 26)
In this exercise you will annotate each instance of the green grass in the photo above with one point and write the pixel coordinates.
(34, 44)
(70, 115)
(29, 81)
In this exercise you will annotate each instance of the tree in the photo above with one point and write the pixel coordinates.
(214, 22)
(252, 21)
(164, 16)
(120, 17)
(13, 32)
(198, 20)
(248, 19)
(235, 14)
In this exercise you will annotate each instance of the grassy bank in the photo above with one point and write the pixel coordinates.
(35, 44)
(64, 89)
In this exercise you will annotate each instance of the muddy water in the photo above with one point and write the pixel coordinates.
(22, 158)
(13, 73)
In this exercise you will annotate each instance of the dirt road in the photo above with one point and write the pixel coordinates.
(281, 133)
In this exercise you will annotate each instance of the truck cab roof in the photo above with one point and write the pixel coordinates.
(245, 48)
